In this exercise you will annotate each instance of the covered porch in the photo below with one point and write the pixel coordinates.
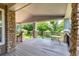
(31, 12)
(37, 16)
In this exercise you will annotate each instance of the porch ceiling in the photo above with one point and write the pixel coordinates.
(9, 4)
(38, 9)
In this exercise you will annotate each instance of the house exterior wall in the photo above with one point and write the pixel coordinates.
(9, 31)
(3, 47)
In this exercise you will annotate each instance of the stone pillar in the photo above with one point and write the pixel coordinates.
(10, 31)
(74, 29)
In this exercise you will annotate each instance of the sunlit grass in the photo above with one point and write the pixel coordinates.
(26, 36)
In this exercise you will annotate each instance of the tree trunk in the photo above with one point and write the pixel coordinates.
(34, 30)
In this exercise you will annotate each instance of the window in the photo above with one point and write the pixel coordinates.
(2, 30)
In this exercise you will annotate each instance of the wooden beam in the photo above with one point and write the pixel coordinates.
(38, 18)
(73, 47)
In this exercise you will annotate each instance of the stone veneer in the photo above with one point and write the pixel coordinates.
(9, 30)
(2, 49)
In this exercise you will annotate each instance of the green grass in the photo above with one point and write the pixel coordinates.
(26, 36)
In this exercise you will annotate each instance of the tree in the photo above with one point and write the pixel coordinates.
(41, 27)
(56, 27)
(28, 27)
